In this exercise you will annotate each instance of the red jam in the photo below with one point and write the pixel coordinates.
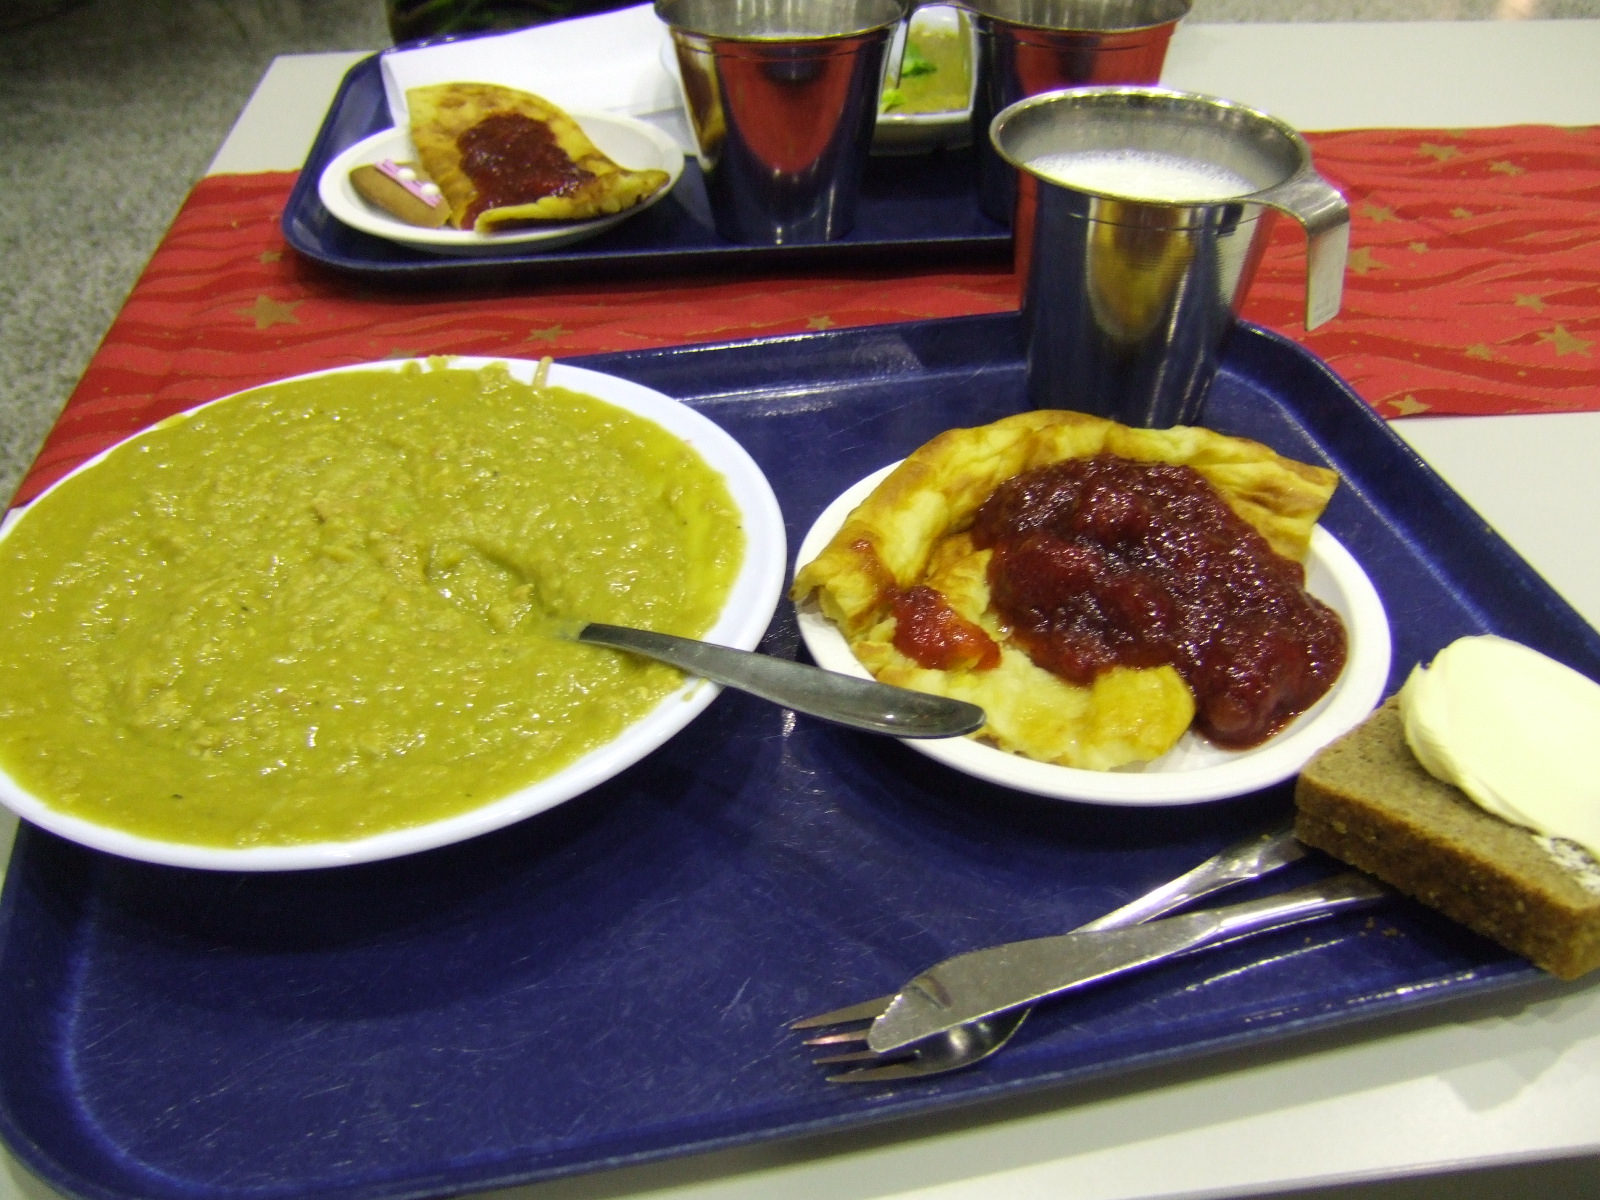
(1105, 561)
(514, 159)
(933, 635)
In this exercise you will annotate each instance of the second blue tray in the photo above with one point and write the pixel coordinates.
(911, 206)
(608, 983)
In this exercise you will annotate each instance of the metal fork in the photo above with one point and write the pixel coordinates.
(1251, 858)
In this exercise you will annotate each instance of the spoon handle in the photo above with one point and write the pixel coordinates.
(842, 699)
(1249, 859)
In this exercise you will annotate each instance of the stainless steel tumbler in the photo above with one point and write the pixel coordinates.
(1143, 216)
(1026, 47)
(783, 97)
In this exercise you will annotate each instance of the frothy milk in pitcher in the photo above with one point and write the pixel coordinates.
(1142, 175)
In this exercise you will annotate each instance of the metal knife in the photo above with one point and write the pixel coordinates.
(982, 983)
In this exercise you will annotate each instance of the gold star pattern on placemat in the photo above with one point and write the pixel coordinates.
(267, 312)
(1488, 295)
(1363, 260)
(1565, 342)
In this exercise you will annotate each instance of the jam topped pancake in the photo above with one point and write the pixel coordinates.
(505, 158)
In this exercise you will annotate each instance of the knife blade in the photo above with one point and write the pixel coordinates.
(982, 983)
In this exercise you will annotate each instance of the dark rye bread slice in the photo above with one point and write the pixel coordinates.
(1366, 800)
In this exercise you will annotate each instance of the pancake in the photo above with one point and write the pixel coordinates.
(505, 158)
(913, 532)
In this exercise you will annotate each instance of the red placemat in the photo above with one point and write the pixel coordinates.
(1473, 288)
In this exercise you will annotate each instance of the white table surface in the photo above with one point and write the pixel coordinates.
(1509, 1081)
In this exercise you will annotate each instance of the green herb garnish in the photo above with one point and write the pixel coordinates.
(913, 62)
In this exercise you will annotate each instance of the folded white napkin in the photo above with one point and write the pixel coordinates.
(612, 62)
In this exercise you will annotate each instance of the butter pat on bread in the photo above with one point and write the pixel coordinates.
(1367, 799)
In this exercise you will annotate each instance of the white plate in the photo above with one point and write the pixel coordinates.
(626, 141)
(921, 133)
(743, 620)
(1194, 770)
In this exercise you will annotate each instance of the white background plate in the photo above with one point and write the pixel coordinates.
(626, 141)
(919, 133)
(1194, 770)
(744, 618)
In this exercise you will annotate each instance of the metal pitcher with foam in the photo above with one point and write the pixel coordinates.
(1141, 218)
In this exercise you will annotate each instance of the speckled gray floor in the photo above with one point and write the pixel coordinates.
(111, 109)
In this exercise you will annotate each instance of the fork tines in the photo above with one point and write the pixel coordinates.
(858, 1019)
(855, 1037)
(867, 1010)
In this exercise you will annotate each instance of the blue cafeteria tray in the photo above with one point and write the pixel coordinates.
(608, 983)
(912, 207)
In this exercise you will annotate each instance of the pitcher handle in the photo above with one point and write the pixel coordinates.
(1317, 205)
